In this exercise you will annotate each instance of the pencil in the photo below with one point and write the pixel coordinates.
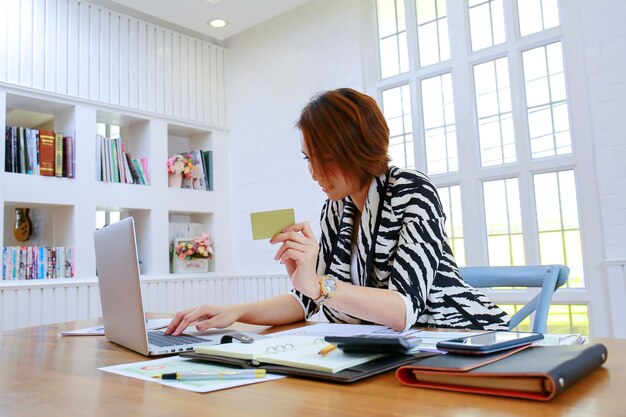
(327, 349)
(240, 374)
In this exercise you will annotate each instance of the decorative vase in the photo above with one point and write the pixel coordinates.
(181, 266)
(175, 180)
(23, 225)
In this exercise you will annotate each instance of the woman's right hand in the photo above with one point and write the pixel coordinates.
(206, 316)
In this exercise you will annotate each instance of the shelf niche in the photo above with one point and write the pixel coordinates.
(35, 113)
(108, 215)
(52, 225)
(182, 139)
(134, 131)
(181, 221)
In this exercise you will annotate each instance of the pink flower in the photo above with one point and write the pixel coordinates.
(180, 164)
(198, 247)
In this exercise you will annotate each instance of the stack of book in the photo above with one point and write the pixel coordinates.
(38, 152)
(37, 262)
(202, 179)
(114, 164)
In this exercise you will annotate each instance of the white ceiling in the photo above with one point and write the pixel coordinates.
(194, 14)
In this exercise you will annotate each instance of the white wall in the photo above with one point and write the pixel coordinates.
(604, 40)
(274, 69)
(604, 35)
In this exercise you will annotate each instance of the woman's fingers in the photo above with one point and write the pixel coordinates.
(198, 313)
(176, 320)
(306, 230)
(290, 245)
(290, 235)
(294, 255)
(302, 229)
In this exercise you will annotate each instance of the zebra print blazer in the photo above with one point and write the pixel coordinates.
(409, 254)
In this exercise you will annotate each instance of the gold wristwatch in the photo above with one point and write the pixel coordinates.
(328, 288)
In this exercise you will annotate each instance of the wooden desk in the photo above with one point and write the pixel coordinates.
(44, 374)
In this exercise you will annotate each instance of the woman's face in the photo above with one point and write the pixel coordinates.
(336, 185)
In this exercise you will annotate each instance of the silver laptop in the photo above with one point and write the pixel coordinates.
(120, 295)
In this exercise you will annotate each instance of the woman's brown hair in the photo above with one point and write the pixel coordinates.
(348, 128)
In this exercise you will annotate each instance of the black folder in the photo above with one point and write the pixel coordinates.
(356, 373)
(535, 373)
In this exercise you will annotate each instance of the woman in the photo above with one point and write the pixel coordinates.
(395, 267)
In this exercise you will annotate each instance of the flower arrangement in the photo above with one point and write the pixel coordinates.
(198, 247)
(181, 164)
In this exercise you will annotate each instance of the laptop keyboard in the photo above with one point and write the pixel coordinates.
(161, 340)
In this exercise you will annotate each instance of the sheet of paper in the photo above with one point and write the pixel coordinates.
(561, 339)
(333, 329)
(152, 324)
(430, 338)
(265, 224)
(146, 369)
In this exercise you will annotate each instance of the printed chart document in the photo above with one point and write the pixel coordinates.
(296, 351)
(333, 329)
(146, 369)
(429, 338)
(152, 324)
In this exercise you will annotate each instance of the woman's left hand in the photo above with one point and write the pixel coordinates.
(298, 253)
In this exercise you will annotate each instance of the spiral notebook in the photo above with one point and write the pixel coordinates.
(296, 351)
(299, 356)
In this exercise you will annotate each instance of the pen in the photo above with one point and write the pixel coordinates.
(327, 349)
(242, 374)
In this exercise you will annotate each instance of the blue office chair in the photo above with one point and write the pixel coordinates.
(547, 277)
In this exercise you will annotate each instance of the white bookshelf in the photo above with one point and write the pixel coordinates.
(63, 210)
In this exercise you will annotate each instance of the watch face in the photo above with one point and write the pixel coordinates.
(330, 286)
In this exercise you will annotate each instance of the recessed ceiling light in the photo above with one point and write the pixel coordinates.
(217, 23)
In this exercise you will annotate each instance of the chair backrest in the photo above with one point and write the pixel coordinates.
(546, 277)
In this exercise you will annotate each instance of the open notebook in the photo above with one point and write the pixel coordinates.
(294, 351)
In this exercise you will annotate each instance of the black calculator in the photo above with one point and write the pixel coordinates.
(374, 343)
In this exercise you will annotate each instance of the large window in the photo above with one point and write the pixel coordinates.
(494, 112)
(490, 123)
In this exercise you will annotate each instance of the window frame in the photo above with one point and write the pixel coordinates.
(471, 175)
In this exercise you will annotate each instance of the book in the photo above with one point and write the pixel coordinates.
(115, 173)
(46, 152)
(35, 133)
(8, 149)
(143, 161)
(68, 157)
(293, 351)
(15, 150)
(21, 150)
(531, 372)
(119, 152)
(139, 168)
(133, 170)
(31, 156)
(199, 175)
(207, 157)
(58, 154)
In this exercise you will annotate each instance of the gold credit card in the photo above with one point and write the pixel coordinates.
(265, 224)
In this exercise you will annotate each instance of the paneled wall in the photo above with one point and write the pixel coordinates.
(85, 51)
(33, 304)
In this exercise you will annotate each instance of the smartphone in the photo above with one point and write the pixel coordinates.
(374, 344)
(488, 342)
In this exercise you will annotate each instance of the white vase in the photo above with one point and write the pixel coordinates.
(175, 180)
(183, 266)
